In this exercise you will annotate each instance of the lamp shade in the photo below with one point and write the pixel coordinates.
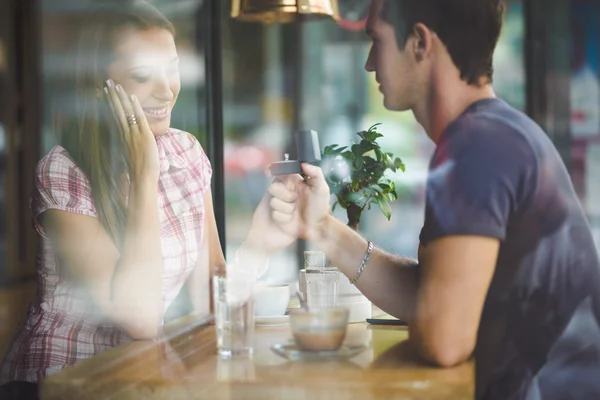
(283, 11)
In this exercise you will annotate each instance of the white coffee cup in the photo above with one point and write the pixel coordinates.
(271, 300)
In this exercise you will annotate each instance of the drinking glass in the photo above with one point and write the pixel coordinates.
(322, 288)
(234, 316)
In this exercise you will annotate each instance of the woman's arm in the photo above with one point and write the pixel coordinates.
(211, 258)
(126, 286)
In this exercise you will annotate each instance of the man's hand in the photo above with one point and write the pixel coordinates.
(301, 206)
(265, 234)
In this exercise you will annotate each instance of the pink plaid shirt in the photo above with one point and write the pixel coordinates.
(63, 326)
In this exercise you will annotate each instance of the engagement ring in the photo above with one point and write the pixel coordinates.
(131, 120)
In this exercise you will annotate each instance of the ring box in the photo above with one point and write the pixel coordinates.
(306, 150)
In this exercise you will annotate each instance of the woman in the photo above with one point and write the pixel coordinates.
(123, 204)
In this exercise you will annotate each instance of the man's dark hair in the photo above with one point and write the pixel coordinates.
(468, 28)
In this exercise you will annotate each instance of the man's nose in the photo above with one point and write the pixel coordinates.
(369, 64)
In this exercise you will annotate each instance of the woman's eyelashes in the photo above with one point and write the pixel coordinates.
(143, 76)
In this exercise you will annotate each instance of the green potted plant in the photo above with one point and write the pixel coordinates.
(357, 175)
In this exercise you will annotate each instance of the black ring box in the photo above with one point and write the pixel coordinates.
(307, 150)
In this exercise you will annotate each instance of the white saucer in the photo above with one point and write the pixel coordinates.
(292, 352)
(275, 320)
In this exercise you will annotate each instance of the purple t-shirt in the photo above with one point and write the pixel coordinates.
(495, 173)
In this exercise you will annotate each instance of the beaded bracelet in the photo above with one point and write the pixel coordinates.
(363, 264)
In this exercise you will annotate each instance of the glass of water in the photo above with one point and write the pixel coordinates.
(234, 316)
(322, 288)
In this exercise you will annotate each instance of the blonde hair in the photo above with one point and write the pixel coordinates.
(86, 128)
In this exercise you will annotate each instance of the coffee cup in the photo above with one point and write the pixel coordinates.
(271, 300)
(321, 329)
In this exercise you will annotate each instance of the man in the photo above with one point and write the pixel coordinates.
(507, 266)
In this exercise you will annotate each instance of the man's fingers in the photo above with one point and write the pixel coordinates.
(291, 180)
(282, 218)
(314, 174)
(280, 191)
(282, 206)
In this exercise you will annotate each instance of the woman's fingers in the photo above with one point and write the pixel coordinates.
(116, 106)
(130, 116)
(139, 114)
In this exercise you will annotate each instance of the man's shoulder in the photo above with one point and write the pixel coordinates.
(491, 132)
(493, 121)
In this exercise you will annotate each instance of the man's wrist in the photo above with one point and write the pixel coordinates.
(322, 233)
(256, 244)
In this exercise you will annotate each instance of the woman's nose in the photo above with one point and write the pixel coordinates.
(162, 88)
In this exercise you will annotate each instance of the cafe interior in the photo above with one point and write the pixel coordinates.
(270, 82)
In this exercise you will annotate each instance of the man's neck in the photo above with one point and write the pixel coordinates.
(445, 103)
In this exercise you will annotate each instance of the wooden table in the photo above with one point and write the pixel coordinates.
(186, 366)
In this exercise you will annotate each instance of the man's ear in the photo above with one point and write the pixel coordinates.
(423, 41)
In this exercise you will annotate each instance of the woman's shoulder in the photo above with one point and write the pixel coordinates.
(56, 157)
(58, 166)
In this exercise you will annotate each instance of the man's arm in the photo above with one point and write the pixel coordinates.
(455, 274)
(442, 297)
(390, 282)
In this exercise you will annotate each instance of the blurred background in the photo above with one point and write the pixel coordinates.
(247, 87)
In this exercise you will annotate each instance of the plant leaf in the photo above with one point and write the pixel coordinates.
(399, 164)
(376, 188)
(359, 162)
(374, 126)
(385, 207)
(391, 197)
(384, 186)
(353, 197)
(348, 155)
(367, 183)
